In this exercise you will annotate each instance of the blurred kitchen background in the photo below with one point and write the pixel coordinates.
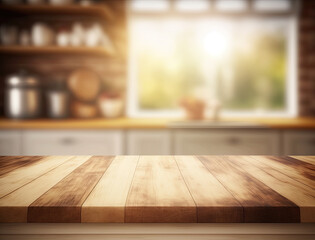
(107, 77)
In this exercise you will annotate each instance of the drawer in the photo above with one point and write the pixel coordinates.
(299, 142)
(148, 142)
(228, 142)
(71, 142)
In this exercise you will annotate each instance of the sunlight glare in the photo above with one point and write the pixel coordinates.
(217, 43)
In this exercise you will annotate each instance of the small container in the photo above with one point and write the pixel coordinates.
(57, 100)
(63, 38)
(57, 103)
(77, 35)
(22, 96)
(111, 106)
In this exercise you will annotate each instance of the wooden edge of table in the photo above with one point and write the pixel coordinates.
(159, 228)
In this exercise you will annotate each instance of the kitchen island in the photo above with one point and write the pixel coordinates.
(204, 196)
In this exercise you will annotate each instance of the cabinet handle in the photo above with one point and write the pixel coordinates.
(67, 141)
(234, 141)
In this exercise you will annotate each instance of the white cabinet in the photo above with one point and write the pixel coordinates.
(234, 141)
(227, 141)
(148, 142)
(72, 142)
(299, 142)
(10, 142)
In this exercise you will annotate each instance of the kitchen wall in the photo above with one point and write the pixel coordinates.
(122, 136)
(113, 73)
(50, 66)
(307, 59)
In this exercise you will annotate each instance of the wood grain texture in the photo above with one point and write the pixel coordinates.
(21, 176)
(107, 201)
(165, 189)
(298, 170)
(62, 203)
(299, 193)
(308, 159)
(13, 207)
(214, 202)
(158, 193)
(260, 203)
(10, 163)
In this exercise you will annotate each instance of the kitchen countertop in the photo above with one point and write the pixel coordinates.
(140, 123)
(165, 189)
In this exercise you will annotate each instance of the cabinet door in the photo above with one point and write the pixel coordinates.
(149, 142)
(299, 142)
(10, 142)
(228, 142)
(71, 142)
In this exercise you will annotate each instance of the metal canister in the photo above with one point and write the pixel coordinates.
(22, 96)
(57, 103)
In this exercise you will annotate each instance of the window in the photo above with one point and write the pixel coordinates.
(272, 5)
(231, 5)
(247, 62)
(191, 5)
(149, 5)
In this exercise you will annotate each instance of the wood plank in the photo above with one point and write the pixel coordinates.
(56, 50)
(21, 176)
(299, 193)
(107, 201)
(151, 229)
(92, 10)
(159, 237)
(4, 159)
(10, 163)
(158, 193)
(294, 163)
(62, 203)
(308, 159)
(214, 203)
(13, 207)
(298, 170)
(260, 203)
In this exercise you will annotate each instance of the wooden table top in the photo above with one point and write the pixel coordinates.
(167, 189)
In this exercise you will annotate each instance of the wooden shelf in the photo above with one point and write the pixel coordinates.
(93, 10)
(55, 50)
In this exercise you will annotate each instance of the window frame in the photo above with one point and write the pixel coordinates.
(291, 110)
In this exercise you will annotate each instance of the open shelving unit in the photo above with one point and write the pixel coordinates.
(110, 13)
(100, 10)
(55, 50)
